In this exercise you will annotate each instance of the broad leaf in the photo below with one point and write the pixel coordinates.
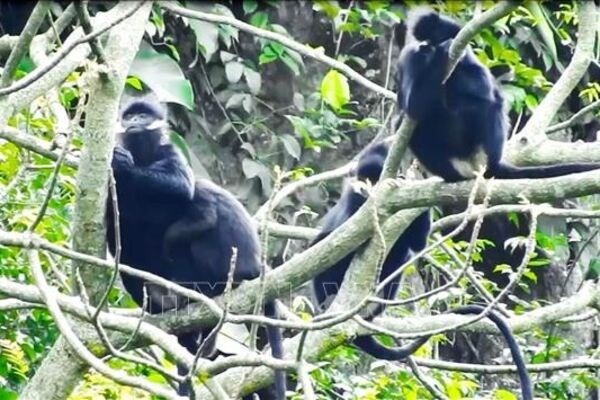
(291, 145)
(233, 71)
(162, 74)
(207, 36)
(335, 90)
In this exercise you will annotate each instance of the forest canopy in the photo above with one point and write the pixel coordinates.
(282, 106)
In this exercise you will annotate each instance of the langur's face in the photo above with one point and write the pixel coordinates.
(141, 122)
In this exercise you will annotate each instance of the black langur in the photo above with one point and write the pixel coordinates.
(461, 125)
(413, 239)
(158, 200)
(200, 245)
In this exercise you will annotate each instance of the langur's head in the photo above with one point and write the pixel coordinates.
(142, 116)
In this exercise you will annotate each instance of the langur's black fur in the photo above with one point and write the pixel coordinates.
(176, 228)
(413, 239)
(460, 125)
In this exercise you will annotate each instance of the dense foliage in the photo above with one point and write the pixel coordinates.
(253, 115)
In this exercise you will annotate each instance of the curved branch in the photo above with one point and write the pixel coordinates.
(472, 28)
(284, 40)
(533, 131)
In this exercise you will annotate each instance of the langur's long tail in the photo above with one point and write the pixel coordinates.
(370, 346)
(276, 342)
(508, 171)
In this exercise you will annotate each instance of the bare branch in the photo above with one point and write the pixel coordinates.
(84, 19)
(575, 117)
(34, 144)
(398, 148)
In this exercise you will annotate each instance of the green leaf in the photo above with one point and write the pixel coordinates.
(291, 146)
(330, 8)
(335, 90)
(543, 26)
(134, 83)
(260, 19)
(593, 271)
(253, 79)
(233, 71)
(291, 63)
(6, 394)
(162, 74)
(249, 6)
(181, 144)
(267, 56)
(501, 394)
(207, 36)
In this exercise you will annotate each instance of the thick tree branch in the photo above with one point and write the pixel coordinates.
(88, 227)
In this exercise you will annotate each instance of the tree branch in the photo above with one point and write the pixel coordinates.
(284, 40)
(533, 132)
(472, 28)
(20, 49)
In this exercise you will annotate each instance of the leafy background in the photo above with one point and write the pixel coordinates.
(242, 107)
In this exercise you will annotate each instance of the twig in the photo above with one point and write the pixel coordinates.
(541, 209)
(84, 19)
(61, 23)
(31, 27)
(120, 323)
(215, 331)
(308, 392)
(114, 352)
(338, 42)
(135, 332)
(424, 380)
(308, 181)
(62, 52)
(78, 347)
(53, 181)
(577, 363)
(112, 188)
(575, 117)
(427, 249)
